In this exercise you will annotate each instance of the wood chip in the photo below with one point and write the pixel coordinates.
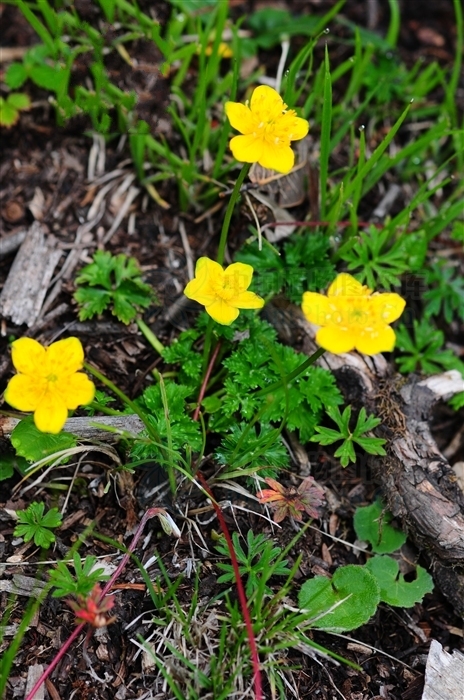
(444, 674)
(33, 674)
(27, 283)
(23, 585)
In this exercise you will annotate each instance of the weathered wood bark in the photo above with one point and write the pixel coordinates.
(85, 428)
(418, 483)
(29, 277)
(444, 674)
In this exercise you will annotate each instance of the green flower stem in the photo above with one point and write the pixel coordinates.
(296, 373)
(229, 211)
(101, 408)
(150, 336)
(124, 398)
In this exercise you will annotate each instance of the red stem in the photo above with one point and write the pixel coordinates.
(206, 380)
(240, 590)
(151, 512)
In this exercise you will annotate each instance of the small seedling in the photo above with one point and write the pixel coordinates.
(37, 525)
(364, 424)
(114, 282)
(257, 563)
(81, 583)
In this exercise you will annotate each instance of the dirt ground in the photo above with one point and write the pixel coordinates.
(44, 176)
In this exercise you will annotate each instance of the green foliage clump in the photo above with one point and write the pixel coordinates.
(423, 349)
(304, 266)
(256, 384)
(247, 450)
(112, 281)
(446, 292)
(171, 422)
(255, 563)
(81, 582)
(182, 352)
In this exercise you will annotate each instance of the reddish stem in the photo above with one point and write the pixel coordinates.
(151, 512)
(240, 590)
(205, 381)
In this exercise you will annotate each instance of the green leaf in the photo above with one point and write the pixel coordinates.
(19, 100)
(364, 424)
(34, 524)
(342, 603)
(91, 301)
(49, 77)
(8, 114)
(394, 590)
(16, 75)
(9, 462)
(372, 524)
(32, 444)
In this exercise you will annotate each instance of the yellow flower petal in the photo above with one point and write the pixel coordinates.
(316, 308)
(247, 300)
(76, 390)
(28, 356)
(24, 392)
(201, 289)
(222, 312)
(294, 127)
(265, 98)
(247, 149)
(375, 340)
(388, 307)
(238, 276)
(65, 356)
(276, 157)
(347, 286)
(240, 117)
(335, 339)
(51, 414)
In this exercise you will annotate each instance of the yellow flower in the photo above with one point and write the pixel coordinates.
(223, 292)
(224, 50)
(268, 127)
(352, 317)
(48, 381)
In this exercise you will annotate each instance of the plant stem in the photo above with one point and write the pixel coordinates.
(207, 343)
(240, 591)
(229, 211)
(150, 336)
(124, 398)
(296, 373)
(206, 380)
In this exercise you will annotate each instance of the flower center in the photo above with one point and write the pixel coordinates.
(52, 378)
(224, 289)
